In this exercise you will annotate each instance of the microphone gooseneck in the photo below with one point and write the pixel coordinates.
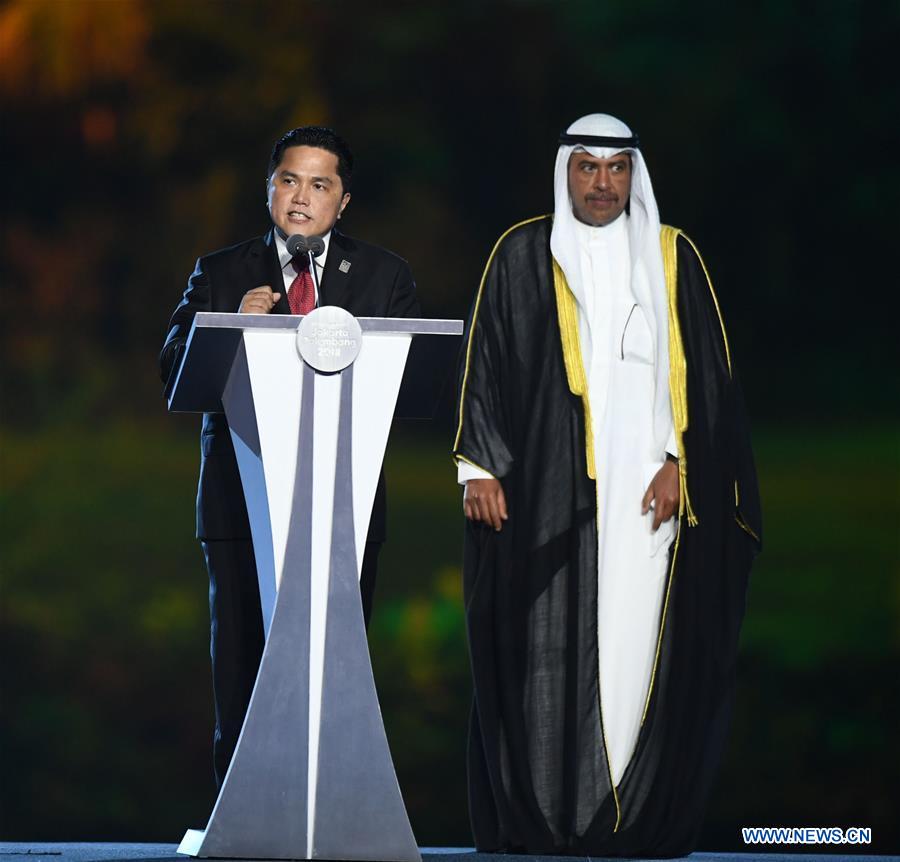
(313, 269)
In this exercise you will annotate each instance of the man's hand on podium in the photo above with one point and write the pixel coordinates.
(260, 300)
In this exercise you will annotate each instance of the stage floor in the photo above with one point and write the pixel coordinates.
(99, 852)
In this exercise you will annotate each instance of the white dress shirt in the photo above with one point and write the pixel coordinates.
(288, 272)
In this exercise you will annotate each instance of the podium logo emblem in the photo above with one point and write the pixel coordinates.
(329, 339)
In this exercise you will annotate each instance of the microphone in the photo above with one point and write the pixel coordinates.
(297, 245)
(315, 245)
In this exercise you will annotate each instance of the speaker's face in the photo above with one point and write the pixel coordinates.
(306, 194)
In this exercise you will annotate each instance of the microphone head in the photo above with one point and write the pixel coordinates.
(297, 245)
(315, 245)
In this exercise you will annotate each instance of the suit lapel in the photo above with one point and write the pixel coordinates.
(275, 277)
(261, 267)
(338, 272)
(335, 288)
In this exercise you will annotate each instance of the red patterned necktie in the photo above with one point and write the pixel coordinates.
(302, 292)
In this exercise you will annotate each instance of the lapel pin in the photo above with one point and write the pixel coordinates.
(345, 266)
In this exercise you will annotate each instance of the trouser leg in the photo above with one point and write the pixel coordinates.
(236, 640)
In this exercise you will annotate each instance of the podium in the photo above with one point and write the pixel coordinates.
(310, 409)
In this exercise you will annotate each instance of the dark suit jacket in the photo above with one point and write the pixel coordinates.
(377, 283)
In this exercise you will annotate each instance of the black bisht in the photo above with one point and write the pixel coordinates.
(538, 775)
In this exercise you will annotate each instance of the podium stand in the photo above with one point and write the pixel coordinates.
(312, 775)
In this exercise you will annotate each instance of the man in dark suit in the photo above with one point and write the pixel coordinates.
(308, 185)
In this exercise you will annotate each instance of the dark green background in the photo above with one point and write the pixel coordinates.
(136, 136)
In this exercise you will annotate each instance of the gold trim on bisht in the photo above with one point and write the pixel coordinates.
(740, 518)
(714, 298)
(462, 390)
(612, 784)
(678, 387)
(668, 238)
(567, 309)
(662, 624)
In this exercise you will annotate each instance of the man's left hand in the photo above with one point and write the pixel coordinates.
(662, 494)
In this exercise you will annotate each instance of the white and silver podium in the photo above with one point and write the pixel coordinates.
(312, 775)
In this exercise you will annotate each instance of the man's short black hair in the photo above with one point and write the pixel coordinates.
(316, 136)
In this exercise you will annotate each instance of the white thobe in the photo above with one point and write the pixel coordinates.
(631, 560)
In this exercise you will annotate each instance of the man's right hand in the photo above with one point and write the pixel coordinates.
(260, 300)
(485, 501)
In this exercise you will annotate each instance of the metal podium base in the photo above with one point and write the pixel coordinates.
(311, 777)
